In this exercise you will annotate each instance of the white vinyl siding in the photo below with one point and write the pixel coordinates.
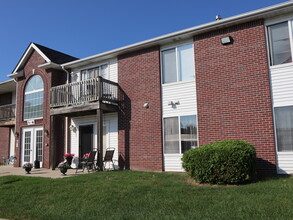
(110, 118)
(285, 163)
(282, 81)
(282, 95)
(182, 92)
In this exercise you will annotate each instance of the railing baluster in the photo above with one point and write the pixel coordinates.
(7, 112)
(84, 91)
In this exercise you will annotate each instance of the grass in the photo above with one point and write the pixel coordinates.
(142, 195)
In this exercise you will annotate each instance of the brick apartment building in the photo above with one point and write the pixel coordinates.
(152, 101)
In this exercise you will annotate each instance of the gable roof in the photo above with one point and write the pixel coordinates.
(49, 55)
(263, 13)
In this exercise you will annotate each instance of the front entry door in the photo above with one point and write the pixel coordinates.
(32, 145)
(85, 139)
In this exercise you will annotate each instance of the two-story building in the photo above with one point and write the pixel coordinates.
(156, 99)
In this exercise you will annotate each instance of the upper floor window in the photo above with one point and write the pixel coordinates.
(92, 73)
(280, 43)
(33, 98)
(178, 64)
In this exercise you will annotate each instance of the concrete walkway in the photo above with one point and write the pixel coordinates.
(43, 172)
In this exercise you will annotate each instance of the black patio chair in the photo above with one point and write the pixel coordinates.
(89, 163)
(109, 157)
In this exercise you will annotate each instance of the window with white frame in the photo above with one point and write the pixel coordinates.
(178, 64)
(33, 98)
(92, 73)
(180, 134)
(284, 128)
(280, 40)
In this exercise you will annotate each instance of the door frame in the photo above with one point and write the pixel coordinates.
(79, 138)
(32, 144)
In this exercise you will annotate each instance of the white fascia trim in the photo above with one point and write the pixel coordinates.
(16, 74)
(41, 53)
(7, 81)
(256, 14)
(32, 45)
(50, 65)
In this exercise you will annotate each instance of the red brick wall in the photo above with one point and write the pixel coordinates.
(233, 90)
(4, 142)
(32, 63)
(140, 129)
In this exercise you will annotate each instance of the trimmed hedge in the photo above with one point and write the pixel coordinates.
(223, 162)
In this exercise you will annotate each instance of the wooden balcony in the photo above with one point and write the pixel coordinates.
(84, 97)
(7, 115)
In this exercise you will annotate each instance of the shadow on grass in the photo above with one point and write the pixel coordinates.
(10, 181)
(262, 178)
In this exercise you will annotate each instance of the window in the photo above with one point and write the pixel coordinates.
(178, 64)
(280, 48)
(95, 72)
(33, 98)
(180, 134)
(284, 128)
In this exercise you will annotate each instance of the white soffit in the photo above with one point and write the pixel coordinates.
(7, 86)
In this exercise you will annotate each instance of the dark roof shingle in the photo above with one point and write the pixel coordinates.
(55, 56)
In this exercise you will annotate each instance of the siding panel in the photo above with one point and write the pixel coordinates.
(282, 89)
(185, 93)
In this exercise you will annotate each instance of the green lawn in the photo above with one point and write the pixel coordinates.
(142, 195)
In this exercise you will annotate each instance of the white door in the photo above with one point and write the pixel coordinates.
(32, 145)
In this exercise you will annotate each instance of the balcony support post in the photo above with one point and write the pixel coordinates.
(100, 138)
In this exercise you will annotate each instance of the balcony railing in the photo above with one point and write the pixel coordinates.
(82, 92)
(7, 112)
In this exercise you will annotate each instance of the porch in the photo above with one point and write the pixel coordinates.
(8, 170)
(93, 97)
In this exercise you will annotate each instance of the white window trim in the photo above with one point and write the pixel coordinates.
(175, 46)
(31, 92)
(179, 120)
(93, 67)
(268, 40)
(275, 132)
(35, 91)
(33, 129)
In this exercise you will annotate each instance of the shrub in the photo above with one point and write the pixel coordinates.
(223, 162)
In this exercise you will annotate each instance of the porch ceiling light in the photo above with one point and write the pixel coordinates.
(72, 128)
(46, 132)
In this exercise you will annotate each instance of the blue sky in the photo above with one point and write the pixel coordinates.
(83, 28)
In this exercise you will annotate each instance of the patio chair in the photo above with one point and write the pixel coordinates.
(89, 163)
(109, 157)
